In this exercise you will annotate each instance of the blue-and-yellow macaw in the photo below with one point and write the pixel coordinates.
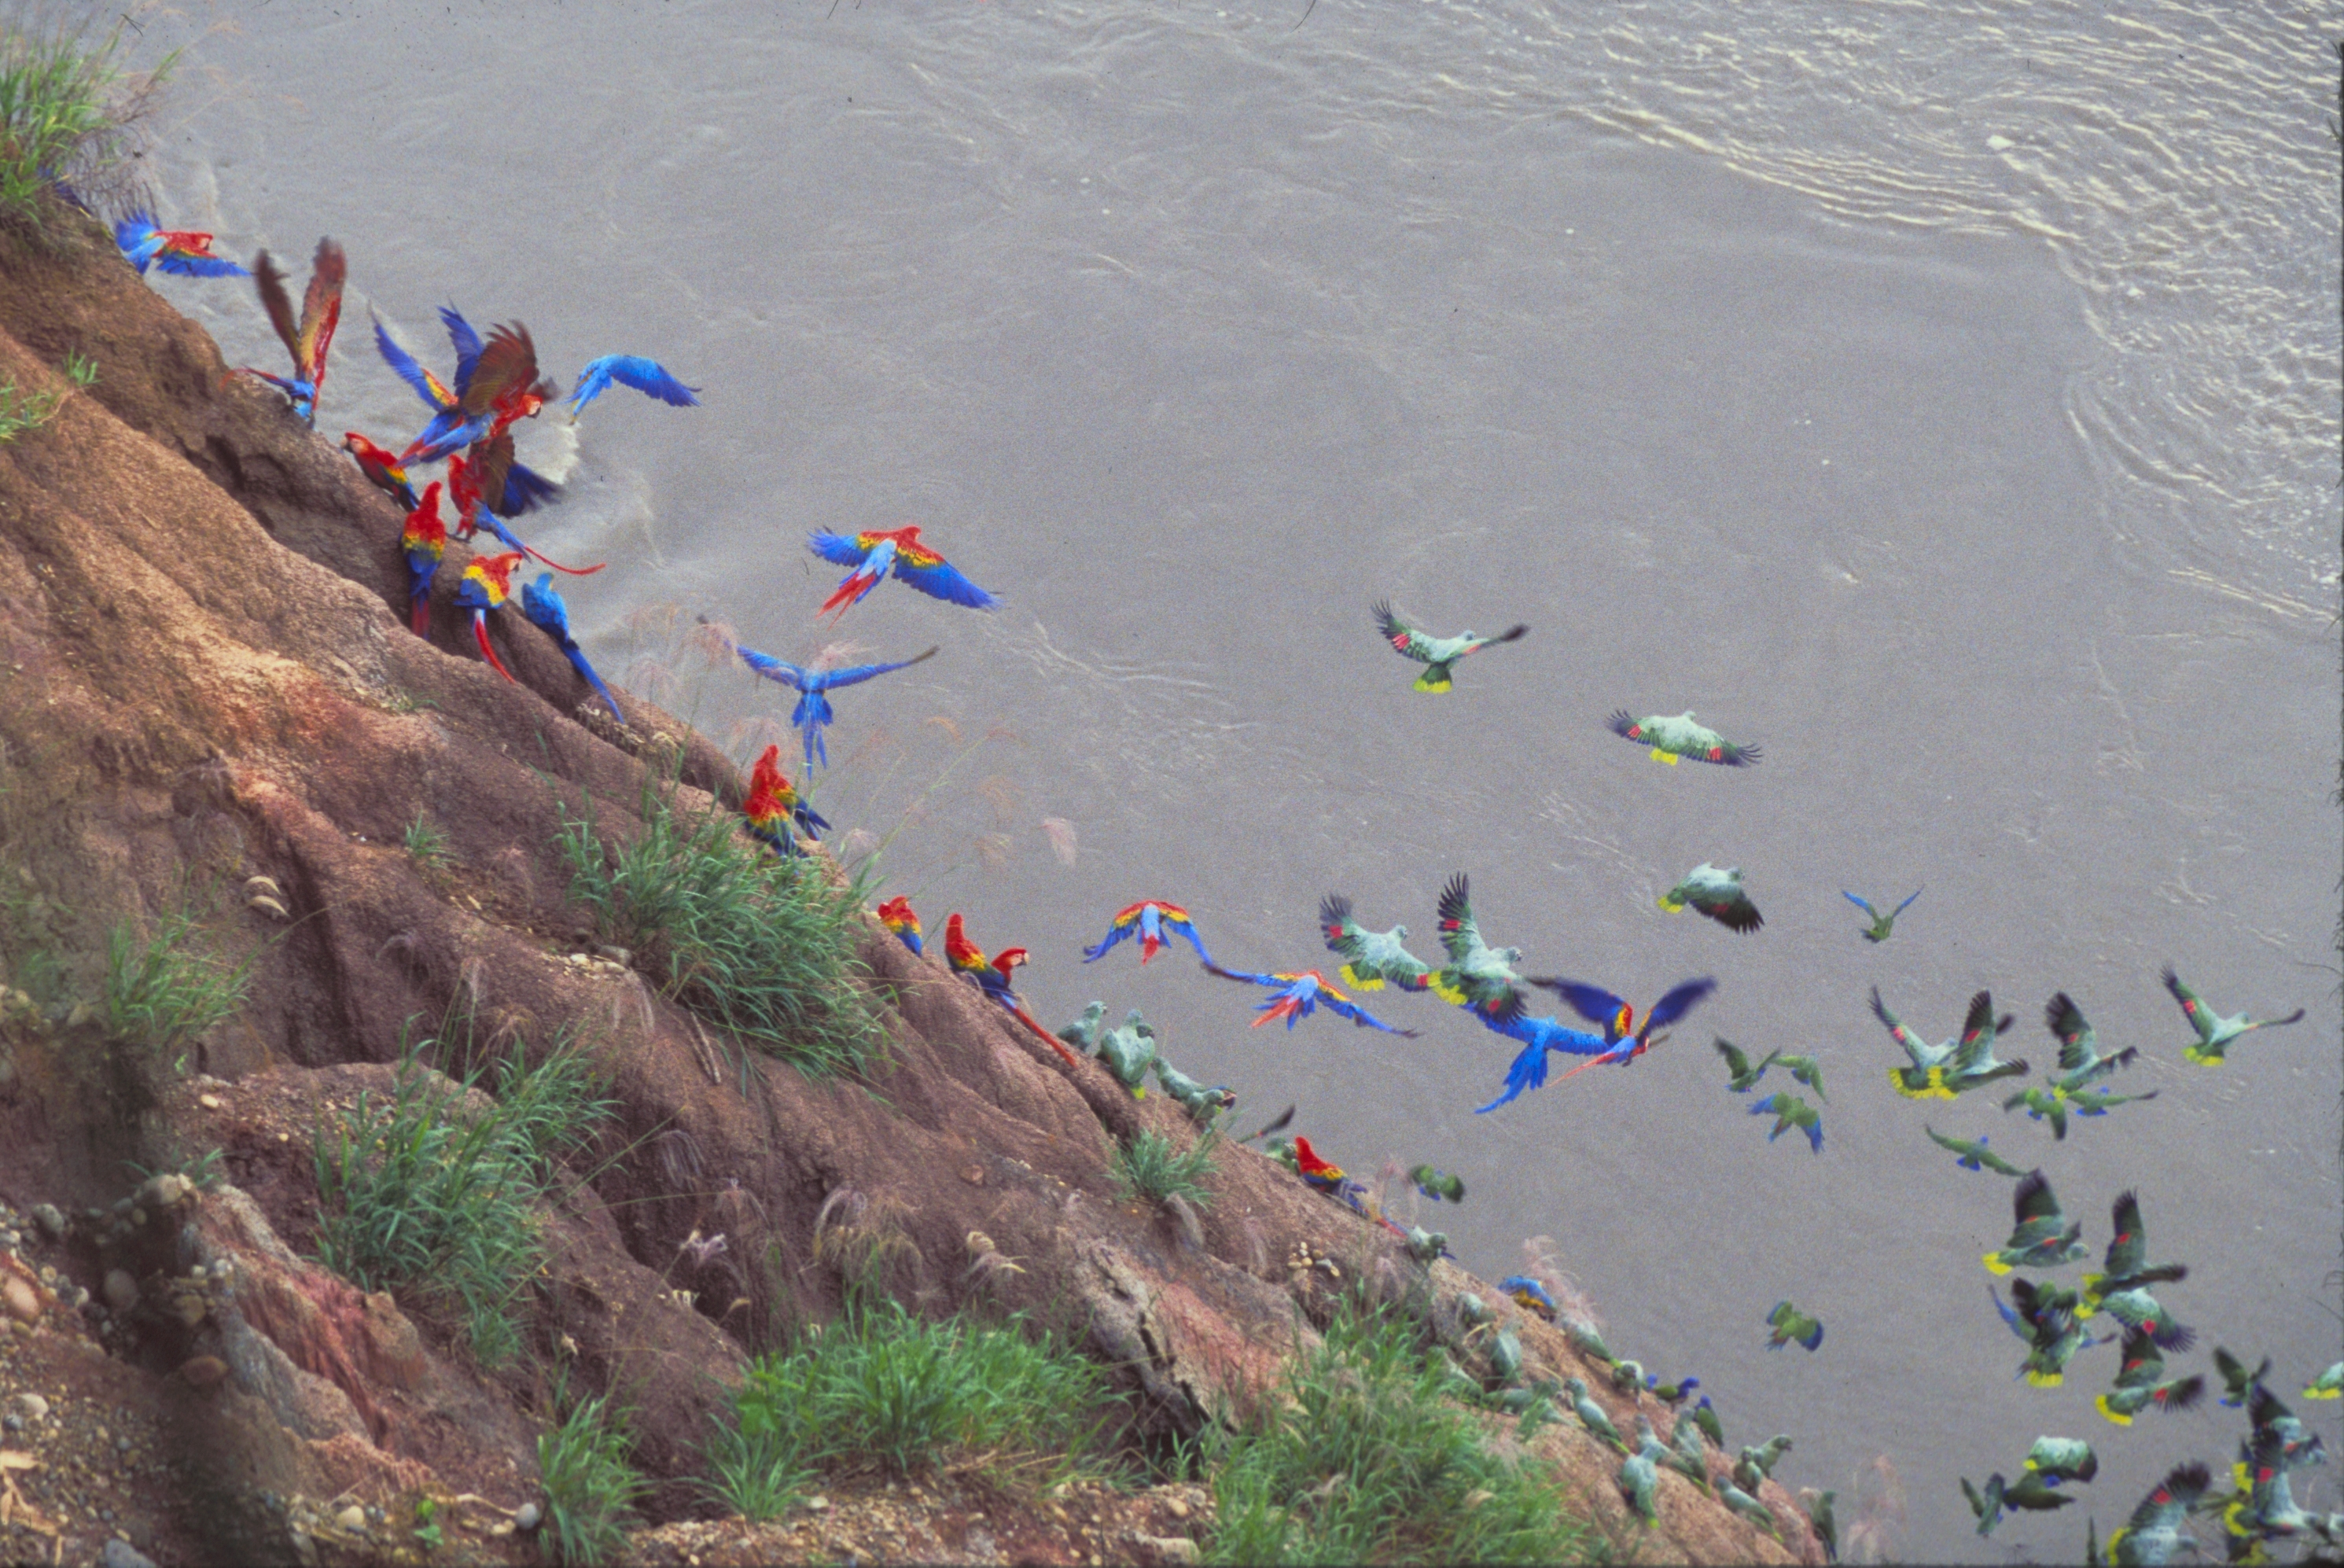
(186, 251)
(545, 608)
(1598, 1005)
(814, 709)
(897, 916)
(1148, 919)
(773, 808)
(308, 341)
(1529, 1295)
(1297, 996)
(873, 553)
(646, 375)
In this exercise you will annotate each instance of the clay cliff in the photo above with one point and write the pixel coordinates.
(206, 679)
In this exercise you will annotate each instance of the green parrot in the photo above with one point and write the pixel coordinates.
(2045, 1317)
(2262, 1507)
(1586, 1340)
(1128, 1051)
(2042, 1238)
(1747, 1506)
(1592, 1415)
(2080, 1062)
(2141, 1383)
(1438, 1185)
(1506, 1356)
(2063, 1459)
(2031, 1491)
(1084, 1032)
(1686, 1456)
(1790, 1111)
(1639, 1475)
(1882, 924)
(1202, 1104)
(1717, 893)
(2215, 1033)
(1740, 1075)
(1974, 1155)
(1477, 975)
(1808, 1071)
(2298, 1446)
(1426, 1246)
(1628, 1376)
(1438, 653)
(1674, 736)
(2122, 1290)
(1754, 1465)
(1370, 957)
(1988, 1504)
(2328, 1385)
(2238, 1383)
(1941, 1072)
(2149, 1538)
(1792, 1326)
(1818, 1505)
(1705, 1417)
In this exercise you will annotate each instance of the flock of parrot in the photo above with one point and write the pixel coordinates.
(497, 383)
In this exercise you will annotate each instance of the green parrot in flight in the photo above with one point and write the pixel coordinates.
(1437, 654)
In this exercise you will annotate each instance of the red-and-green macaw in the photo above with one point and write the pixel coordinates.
(873, 553)
(545, 609)
(522, 488)
(1148, 919)
(774, 810)
(969, 962)
(897, 916)
(481, 471)
(1297, 995)
(186, 251)
(381, 466)
(814, 709)
(647, 377)
(1437, 654)
(1598, 1005)
(425, 540)
(504, 387)
(486, 585)
(1371, 957)
(307, 341)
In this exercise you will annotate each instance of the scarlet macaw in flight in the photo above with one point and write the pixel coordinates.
(1150, 918)
(897, 916)
(186, 251)
(523, 488)
(474, 475)
(646, 375)
(543, 606)
(873, 553)
(773, 808)
(321, 312)
(968, 961)
(1297, 995)
(504, 386)
(814, 709)
(381, 466)
(425, 540)
(487, 584)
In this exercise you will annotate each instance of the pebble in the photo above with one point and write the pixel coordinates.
(528, 1516)
(51, 1220)
(35, 1407)
(351, 1518)
(121, 1290)
(817, 1505)
(22, 1301)
(210, 1102)
(203, 1371)
(120, 1553)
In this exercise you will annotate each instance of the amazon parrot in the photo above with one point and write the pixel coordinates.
(2121, 1288)
(1439, 654)
(2141, 1382)
(1941, 1072)
(2045, 1317)
(1718, 893)
(1639, 1475)
(1590, 1414)
(1882, 924)
(2215, 1032)
(2150, 1537)
(1674, 736)
(1477, 975)
(1201, 1102)
(2041, 1238)
(2058, 1459)
(1974, 1155)
(1371, 957)
(1753, 1466)
(1129, 1050)
(873, 553)
(1788, 1325)
(2238, 1383)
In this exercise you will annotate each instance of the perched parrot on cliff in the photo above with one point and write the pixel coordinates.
(1705, 1418)
(1790, 1111)
(487, 584)
(2215, 1032)
(1317, 1172)
(873, 553)
(1690, 1460)
(425, 542)
(2153, 1533)
(1755, 1466)
(1788, 1325)
(1741, 1077)
(186, 251)
(1370, 957)
(647, 377)
(1439, 654)
(1592, 1415)
(1477, 975)
(1529, 1295)
(1740, 1502)
(2141, 1382)
(2045, 1317)
(497, 385)
(897, 916)
(968, 961)
(1974, 1155)
(1201, 1102)
(1941, 1072)
(381, 466)
(1295, 996)
(1883, 925)
(2041, 1236)
(1639, 1475)
(773, 809)
(1670, 1394)
(814, 709)
(479, 471)
(1150, 919)
(1672, 737)
(1537, 1036)
(519, 488)
(321, 311)
(545, 608)
(1716, 892)
(1129, 1050)
(1598, 1005)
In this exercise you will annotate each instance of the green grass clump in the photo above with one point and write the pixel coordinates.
(589, 1486)
(1375, 1463)
(762, 945)
(419, 1198)
(427, 846)
(162, 991)
(1153, 1166)
(883, 1388)
(21, 411)
(69, 111)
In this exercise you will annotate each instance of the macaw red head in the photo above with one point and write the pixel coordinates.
(1306, 1160)
(897, 915)
(1008, 960)
(423, 526)
(959, 950)
(496, 572)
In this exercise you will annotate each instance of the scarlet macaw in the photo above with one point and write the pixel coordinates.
(382, 468)
(321, 311)
(1150, 918)
(425, 540)
(523, 488)
(897, 916)
(1297, 995)
(814, 709)
(543, 606)
(186, 251)
(487, 584)
(646, 375)
(968, 961)
(1318, 1172)
(872, 554)
(1598, 1005)
(482, 472)
(773, 808)
(504, 386)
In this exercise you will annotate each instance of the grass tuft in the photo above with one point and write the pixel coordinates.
(761, 946)
(1374, 1462)
(589, 1486)
(1154, 1167)
(70, 112)
(427, 846)
(161, 992)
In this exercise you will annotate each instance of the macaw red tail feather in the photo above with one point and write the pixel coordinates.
(1284, 1008)
(419, 616)
(572, 571)
(1046, 1037)
(481, 635)
(853, 589)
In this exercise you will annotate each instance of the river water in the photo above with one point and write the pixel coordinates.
(1943, 396)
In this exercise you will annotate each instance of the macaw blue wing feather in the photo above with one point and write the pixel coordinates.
(1359, 1014)
(772, 669)
(838, 549)
(525, 490)
(1527, 1071)
(646, 375)
(1676, 1004)
(1592, 1003)
(465, 341)
(198, 265)
(942, 580)
(543, 604)
(435, 397)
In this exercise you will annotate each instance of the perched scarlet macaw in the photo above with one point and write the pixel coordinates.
(1318, 1172)
(646, 375)
(897, 916)
(1151, 918)
(968, 961)
(480, 472)
(321, 311)
(1297, 995)
(425, 542)
(382, 468)
(773, 808)
(523, 488)
(186, 251)
(487, 584)
(504, 387)
(874, 554)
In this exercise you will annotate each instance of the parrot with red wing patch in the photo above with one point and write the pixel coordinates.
(425, 542)
(773, 809)
(381, 466)
(1371, 957)
(874, 553)
(309, 339)
(1439, 654)
(1150, 919)
(487, 584)
(483, 470)
(519, 488)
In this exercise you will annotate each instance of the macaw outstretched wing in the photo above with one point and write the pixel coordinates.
(1527, 1071)
(831, 680)
(1592, 1003)
(427, 387)
(321, 309)
(772, 669)
(1249, 978)
(1674, 1004)
(1339, 1003)
(838, 548)
(271, 284)
(1863, 904)
(465, 340)
(937, 578)
(646, 375)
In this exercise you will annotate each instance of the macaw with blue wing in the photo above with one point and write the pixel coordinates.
(307, 340)
(1297, 996)
(1537, 1036)
(1598, 1005)
(1529, 1295)
(773, 808)
(486, 585)
(646, 375)
(425, 542)
(873, 553)
(992, 977)
(186, 251)
(814, 709)
(497, 384)
(1149, 920)
(483, 470)
(897, 916)
(381, 466)
(522, 489)
(543, 606)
